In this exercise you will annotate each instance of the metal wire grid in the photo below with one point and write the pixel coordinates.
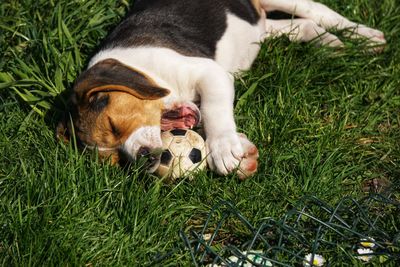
(311, 227)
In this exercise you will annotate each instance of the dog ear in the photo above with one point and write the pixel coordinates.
(111, 75)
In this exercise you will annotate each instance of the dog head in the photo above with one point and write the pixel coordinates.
(115, 109)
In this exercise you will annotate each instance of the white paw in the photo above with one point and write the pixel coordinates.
(369, 33)
(375, 37)
(250, 150)
(330, 40)
(309, 31)
(248, 164)
(232, 153)
(224, 153)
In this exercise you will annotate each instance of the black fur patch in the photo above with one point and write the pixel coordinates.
(190, 27)
(279, 15)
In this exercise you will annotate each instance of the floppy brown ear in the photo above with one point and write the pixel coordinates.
(110, 75)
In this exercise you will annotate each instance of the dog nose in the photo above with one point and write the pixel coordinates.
(148, 155)
(143, 152)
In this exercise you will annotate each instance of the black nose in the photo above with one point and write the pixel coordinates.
(146, 153)
(143, 152)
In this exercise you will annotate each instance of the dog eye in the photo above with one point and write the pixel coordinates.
(115, 131)
(98, 102)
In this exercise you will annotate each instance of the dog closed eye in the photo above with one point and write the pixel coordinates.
(115, 131)
(98, 102)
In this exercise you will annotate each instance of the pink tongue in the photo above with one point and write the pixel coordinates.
(181, 118)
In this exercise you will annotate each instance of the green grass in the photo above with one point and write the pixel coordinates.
(324, 121)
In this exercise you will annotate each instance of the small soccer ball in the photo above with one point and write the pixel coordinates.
(183, 153)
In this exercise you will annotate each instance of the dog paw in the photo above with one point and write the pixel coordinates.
(376, 38)
(329, 39)
(224, 153)
(232, 153)
(372, 34)
(249, 163)
(311, 32)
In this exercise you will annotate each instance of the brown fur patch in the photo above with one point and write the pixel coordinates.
(257, 6)
(123, 115)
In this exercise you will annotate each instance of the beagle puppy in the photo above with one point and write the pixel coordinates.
(167, 56)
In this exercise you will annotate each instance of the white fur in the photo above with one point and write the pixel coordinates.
(100, 148)
(303, 30)
(240, 44)
(148, 136)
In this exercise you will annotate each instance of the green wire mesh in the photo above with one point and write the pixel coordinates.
(312, 227)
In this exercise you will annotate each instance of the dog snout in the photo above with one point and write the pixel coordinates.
(150, 155)
(143, 151)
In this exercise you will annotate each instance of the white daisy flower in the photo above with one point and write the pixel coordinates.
(368, 242)
(317, 261)
(362, 252)
(207, 237)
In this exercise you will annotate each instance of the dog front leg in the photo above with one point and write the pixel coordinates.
(216, 90)
(228, 151)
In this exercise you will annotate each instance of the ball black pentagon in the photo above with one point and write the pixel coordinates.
(166, 157)
(195, 155)
(178, 132)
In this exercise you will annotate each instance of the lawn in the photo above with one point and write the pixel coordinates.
(326, 122)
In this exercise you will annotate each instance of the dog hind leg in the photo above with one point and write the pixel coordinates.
(301, 30)
(324, 17)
